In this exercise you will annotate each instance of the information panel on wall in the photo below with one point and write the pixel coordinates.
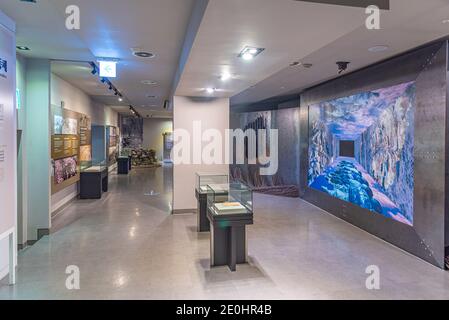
(7, 130)
(70, 145)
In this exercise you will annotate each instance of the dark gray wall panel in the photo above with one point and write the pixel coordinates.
(427, 67)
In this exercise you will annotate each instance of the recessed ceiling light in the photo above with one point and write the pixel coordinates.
(149, 82)
(143, 54)
(23, 48)
(249, 53)
(225, 76)
(210, 90)
(378, 48)
(120, 99)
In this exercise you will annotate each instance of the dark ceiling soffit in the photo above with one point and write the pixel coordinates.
(196, 17)
(281, 102)
(382, 4)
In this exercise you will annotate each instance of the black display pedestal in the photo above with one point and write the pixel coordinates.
(93, 184)
(122, 165)
(228, 239)
(202, 221)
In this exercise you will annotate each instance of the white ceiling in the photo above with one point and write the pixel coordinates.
(289, 31)
(408, 24)
(109, 29)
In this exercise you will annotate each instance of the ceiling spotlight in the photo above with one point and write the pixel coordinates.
(249, 53)
(103, 80)
(210, 90)
(143, 54)
(149, 82)
(225, 76)
(378, 49)
(23, 48)
(120, 99)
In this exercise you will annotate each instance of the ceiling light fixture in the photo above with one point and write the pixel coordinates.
(149, 82)
(249, 53)
(143, 54)
(23, 48)
(210, 90)
(120, 99)
(378, 48)
(225, 76)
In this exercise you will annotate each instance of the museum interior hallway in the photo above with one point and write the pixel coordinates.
(128, 246)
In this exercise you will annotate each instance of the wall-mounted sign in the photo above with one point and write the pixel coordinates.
(108, 69)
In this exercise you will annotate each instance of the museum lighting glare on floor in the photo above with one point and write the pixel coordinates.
(225, 156)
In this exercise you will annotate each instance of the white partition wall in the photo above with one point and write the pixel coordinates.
(8, 148)
(210, 114)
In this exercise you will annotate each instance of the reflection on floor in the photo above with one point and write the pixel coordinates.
(128, 246)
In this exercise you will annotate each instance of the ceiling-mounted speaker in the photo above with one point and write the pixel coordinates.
(166, 104)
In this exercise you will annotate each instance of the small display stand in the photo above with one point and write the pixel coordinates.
(202, 180)
(228, 215)
(93, 181)
(123, 165)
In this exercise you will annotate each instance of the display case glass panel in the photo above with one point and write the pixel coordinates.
(205, 179)
(233, 198)
(91, 166)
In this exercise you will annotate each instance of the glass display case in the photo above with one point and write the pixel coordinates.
(214, 179)
(91, 166)
(233, 198)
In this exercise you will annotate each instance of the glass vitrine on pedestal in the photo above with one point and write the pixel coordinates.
(228, 215)
(201, 187)
(93, 179)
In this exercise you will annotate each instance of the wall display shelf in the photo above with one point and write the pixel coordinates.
(228, 216)
(202, 181)
(94, 180)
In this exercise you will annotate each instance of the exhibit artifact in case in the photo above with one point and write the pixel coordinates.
(226, 199)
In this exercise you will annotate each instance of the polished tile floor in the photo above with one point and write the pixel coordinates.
(128, 246)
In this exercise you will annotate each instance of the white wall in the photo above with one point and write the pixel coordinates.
(213, 114)
(8, 179)
(152, 134)
(76, 100)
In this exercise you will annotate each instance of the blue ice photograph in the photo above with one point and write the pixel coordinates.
(361, 150)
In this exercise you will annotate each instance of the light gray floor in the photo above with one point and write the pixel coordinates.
(128, 246)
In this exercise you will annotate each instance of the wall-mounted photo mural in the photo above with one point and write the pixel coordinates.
(65, 125)
(361, 150)
(285, 182)
(132, 132)
(65, 168)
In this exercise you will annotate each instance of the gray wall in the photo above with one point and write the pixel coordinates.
(426, 66)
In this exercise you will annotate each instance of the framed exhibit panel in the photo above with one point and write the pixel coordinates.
(112, 149)
(373, 150)
(70, 144)
(8, 143)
